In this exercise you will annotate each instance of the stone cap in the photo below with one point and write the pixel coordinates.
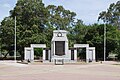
(59, 35)
(62, 31)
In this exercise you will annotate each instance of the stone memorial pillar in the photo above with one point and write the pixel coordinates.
(59, 45)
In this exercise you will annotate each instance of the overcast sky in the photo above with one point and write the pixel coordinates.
(87, 10)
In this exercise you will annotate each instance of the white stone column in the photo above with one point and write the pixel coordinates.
(27, 54)
(69, 52)
(49, 54)
(67, 56)
(75, 55)
(44, 55)
(87, 55)
(94, 55)
(53, 48)
(32, 53)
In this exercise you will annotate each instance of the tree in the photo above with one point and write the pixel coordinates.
(38, 52)
(60, 18)
(76, 33)
(80, 30)
(31, 19)
(117, 49)
(35, 24)
(112, 15)
(95, 37)
(7, 35)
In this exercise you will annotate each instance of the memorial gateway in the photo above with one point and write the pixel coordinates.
(59, 50)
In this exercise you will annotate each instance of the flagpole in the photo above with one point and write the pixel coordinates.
(15, 42)
(104, 41)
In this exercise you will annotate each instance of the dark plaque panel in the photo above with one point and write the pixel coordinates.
(59, 48)
(72, 54)
(46, 54)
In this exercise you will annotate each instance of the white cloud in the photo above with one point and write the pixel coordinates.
(6, 5)
(87, 10)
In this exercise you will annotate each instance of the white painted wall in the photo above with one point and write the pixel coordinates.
(75, 55)
(38, 45)
(81, 45)
(27, 55)
(44, 56)
(92, 53)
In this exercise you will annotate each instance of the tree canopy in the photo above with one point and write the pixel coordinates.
(35, 24)
(112, 15)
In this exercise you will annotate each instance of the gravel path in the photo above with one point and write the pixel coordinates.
(93, 71)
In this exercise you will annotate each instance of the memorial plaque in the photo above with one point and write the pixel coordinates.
(59, 48)
(59, 61)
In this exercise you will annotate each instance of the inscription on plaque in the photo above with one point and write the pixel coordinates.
(59, 48)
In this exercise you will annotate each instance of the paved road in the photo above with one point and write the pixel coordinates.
(96, 71)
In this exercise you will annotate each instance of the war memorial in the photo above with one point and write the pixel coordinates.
(59, 50)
